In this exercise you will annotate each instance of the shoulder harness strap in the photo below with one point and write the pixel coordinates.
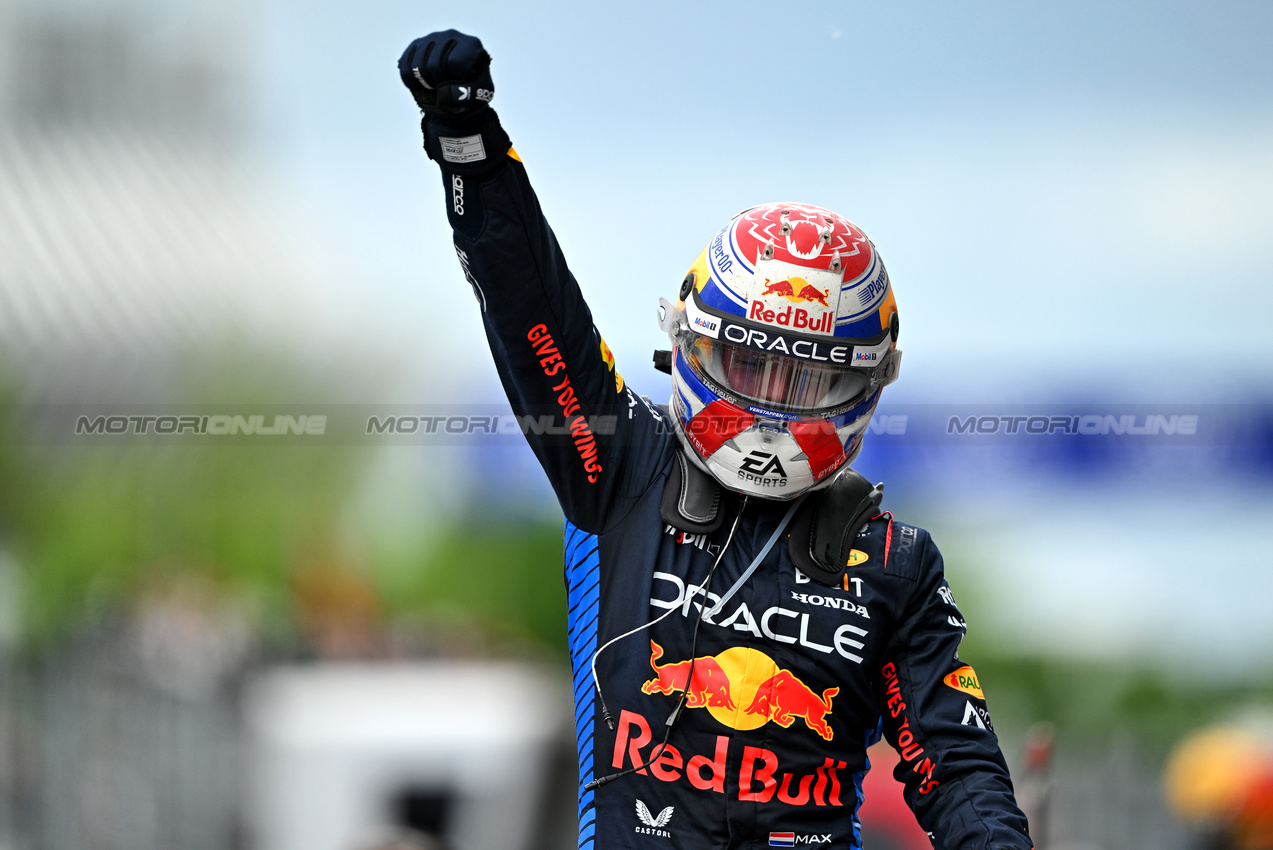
(691, 498)
(823, 530)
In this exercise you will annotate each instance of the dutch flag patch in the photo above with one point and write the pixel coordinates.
(782, 839)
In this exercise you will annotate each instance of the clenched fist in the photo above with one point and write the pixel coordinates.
(448, 72)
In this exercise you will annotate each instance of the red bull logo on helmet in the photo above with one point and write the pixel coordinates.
(796, 290)
(743, 688)
(767, 306)
(799, 266)
(801, 257)
(793, 296)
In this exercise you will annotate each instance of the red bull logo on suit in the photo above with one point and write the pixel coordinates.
(759, 778)
(709, 687)
(743, 688)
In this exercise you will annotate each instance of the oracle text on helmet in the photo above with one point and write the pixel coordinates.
(802, 348)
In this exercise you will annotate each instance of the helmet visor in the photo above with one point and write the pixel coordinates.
(774, 380)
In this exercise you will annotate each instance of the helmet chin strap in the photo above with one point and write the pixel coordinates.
(691, 498)
(821, 540)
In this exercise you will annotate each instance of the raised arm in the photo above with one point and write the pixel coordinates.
(600, 444)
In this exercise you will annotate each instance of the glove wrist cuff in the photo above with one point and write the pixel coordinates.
(472, 144)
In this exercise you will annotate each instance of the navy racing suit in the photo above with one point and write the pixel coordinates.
(791, 681)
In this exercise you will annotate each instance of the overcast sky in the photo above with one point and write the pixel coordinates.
(1068, 196)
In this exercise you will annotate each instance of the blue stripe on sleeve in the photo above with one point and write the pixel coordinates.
(583, 579)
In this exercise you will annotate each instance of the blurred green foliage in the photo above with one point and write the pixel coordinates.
(1094, 702)
(92, 525)
(505, 579)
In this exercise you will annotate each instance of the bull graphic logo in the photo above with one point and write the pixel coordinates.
(744, 689)
(796, 290)
(783, 698)
(708, 689)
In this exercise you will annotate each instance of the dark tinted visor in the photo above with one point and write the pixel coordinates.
(774, 380)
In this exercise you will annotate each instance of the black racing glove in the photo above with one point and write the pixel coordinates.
(448, 73)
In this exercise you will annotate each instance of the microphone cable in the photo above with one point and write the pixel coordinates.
(689, 679)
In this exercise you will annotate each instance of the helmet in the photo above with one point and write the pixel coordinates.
(784, 333)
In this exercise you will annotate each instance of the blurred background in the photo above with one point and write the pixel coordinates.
(220, 209)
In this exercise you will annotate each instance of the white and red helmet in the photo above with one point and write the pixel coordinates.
(784, 333)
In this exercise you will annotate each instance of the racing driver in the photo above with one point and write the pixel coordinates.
(744, 619)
